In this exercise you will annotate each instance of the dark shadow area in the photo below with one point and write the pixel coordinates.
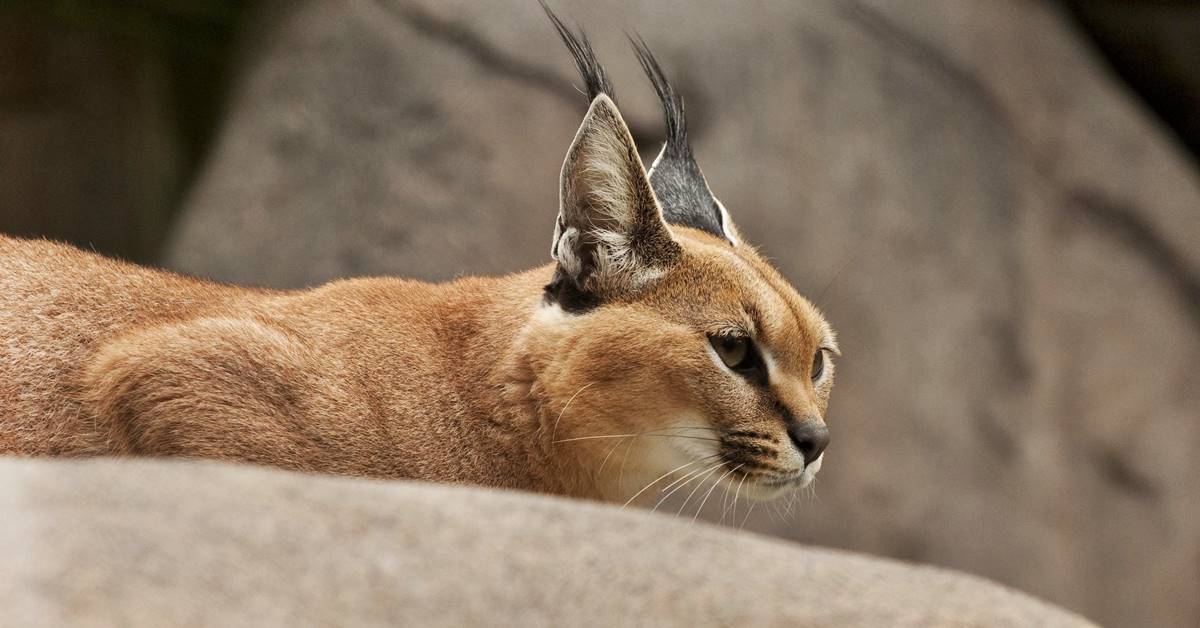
(106, 111)
(1154, 46)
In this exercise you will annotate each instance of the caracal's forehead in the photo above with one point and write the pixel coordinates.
(717, 285)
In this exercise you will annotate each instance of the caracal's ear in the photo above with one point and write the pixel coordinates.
(676, 177)
(610, 238)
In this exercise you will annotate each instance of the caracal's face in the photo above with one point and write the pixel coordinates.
(670, 350)
(717, 373)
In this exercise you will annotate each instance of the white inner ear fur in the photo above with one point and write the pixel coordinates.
(563, 251)
(604, 170)
(597, 165)
(726, 222)
(662, 151)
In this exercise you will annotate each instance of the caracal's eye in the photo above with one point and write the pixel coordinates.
(737, 352)
(818, 365)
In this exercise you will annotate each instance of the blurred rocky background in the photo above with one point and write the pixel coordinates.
(996, 203)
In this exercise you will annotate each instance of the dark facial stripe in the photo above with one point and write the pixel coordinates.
(780, 291)
(760, 450)
(754, 435)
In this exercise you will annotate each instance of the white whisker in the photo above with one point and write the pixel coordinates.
(748, 513)
(699, 485)
(577, 438)
(733, 504)
(724, 504)
(692, 476)
(554, 432)
(667, 487)
(608, 455)
(659, 478)
(710, 490)
(624, 459)
(736, 494)
(647, 433)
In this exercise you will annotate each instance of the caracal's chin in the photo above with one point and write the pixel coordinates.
(773, 488)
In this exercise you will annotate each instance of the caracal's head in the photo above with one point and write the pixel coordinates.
(665, 346)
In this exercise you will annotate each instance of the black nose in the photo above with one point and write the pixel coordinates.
(810, 438)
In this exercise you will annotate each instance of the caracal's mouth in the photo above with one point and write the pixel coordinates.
(766, 487)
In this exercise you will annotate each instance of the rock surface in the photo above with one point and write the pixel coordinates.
(123, 543)
(1005, 241)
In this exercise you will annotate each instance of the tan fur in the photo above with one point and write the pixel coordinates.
(479, 380)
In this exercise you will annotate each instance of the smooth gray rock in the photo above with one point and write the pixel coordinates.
(1004, 239)
(125, 543)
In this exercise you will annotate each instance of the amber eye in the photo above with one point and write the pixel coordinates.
(818, 365)
(733, 350)
(739, 354)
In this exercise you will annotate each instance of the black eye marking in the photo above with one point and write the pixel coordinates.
(818, 365)
(738, 353)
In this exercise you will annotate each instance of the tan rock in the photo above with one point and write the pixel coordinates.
(127, 543)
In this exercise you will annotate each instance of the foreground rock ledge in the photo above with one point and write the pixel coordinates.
(140, 543)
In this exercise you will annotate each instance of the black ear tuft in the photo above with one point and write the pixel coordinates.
(595, 79)
(675, 176)
(672, 102)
